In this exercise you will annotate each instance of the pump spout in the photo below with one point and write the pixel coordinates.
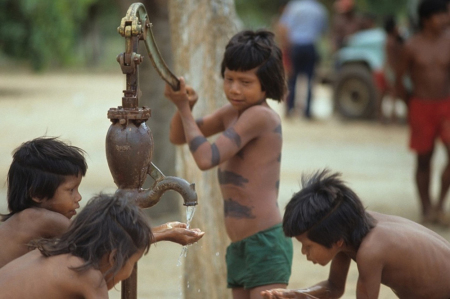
(150, 197)
(146, 198)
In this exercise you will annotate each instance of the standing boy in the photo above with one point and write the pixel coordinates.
(248, 153)
(330, 222)
(426, 59)
(43, 196)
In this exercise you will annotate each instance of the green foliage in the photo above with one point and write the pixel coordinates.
(41, 31)
(383, 7)
(257, 14)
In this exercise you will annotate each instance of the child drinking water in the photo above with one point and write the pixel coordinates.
(100, 249)
(43, 196)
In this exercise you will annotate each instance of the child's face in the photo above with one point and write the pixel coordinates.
(126, 270)
(317, 253)
(66, 198)
(438, 22)
(243, 89)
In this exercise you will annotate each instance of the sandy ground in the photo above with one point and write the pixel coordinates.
(373, 158)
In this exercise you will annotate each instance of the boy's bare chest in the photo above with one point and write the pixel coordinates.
(247, 166)
(432, 56)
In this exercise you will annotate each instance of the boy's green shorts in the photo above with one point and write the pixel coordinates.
(262, 259)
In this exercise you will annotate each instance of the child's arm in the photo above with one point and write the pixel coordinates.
(370, 269)
(177, 232)
(249, 125)
(403, 64)
(332, 288)
(208, 125)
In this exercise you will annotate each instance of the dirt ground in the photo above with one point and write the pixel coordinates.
(373, 158)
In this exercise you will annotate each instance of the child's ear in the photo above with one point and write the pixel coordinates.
(112, 257)
(340, 243)
(38, 200)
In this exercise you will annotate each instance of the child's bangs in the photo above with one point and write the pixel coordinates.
(242, 59)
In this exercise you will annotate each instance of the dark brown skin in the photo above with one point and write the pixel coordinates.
(403, 255)
(426, 58)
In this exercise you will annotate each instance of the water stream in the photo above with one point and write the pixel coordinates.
(190, 211)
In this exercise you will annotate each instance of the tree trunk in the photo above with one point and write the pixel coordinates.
(200, 31)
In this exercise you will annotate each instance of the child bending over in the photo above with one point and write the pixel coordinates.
(43, 196)
(330, 222)
(248, 155)
(99, 249)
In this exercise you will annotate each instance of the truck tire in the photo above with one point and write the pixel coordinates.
(355, 93)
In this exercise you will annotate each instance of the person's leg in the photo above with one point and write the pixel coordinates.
(308, 66)
(445, 181)
(423, 173)
(292, 80)
(240, 293)
(236, 269)
(255, 293)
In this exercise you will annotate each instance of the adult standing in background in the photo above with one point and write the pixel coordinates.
(301, 25)
(345, 23)
(426, 59)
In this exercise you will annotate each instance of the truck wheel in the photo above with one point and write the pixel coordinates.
(355, 94)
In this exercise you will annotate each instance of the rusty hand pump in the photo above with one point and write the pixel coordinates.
(129, 142)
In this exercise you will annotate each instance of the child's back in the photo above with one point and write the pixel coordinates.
(43, 195)
(63, 281)
(409, 258)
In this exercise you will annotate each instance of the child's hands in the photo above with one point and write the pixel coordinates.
(285, 294)
(176, 232)
(186, 94)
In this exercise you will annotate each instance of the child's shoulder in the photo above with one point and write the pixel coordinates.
(45, 222)
(35, 213)
(90, 282)
(262, 112)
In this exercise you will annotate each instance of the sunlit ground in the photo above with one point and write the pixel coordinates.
(373, 158)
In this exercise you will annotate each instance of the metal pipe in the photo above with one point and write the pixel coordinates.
(129, 142)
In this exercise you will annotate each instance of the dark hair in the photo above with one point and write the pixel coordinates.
(389, 24)
(250, 49)
(328, 211)
(107, 222)
(38, 168)
(429, 8)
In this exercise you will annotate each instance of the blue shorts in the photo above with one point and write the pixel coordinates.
(262, 259)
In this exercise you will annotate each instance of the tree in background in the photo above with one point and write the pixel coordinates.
(48, 32)
(200, 31)
(41, 31)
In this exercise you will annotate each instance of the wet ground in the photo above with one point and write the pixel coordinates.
(373, 158)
